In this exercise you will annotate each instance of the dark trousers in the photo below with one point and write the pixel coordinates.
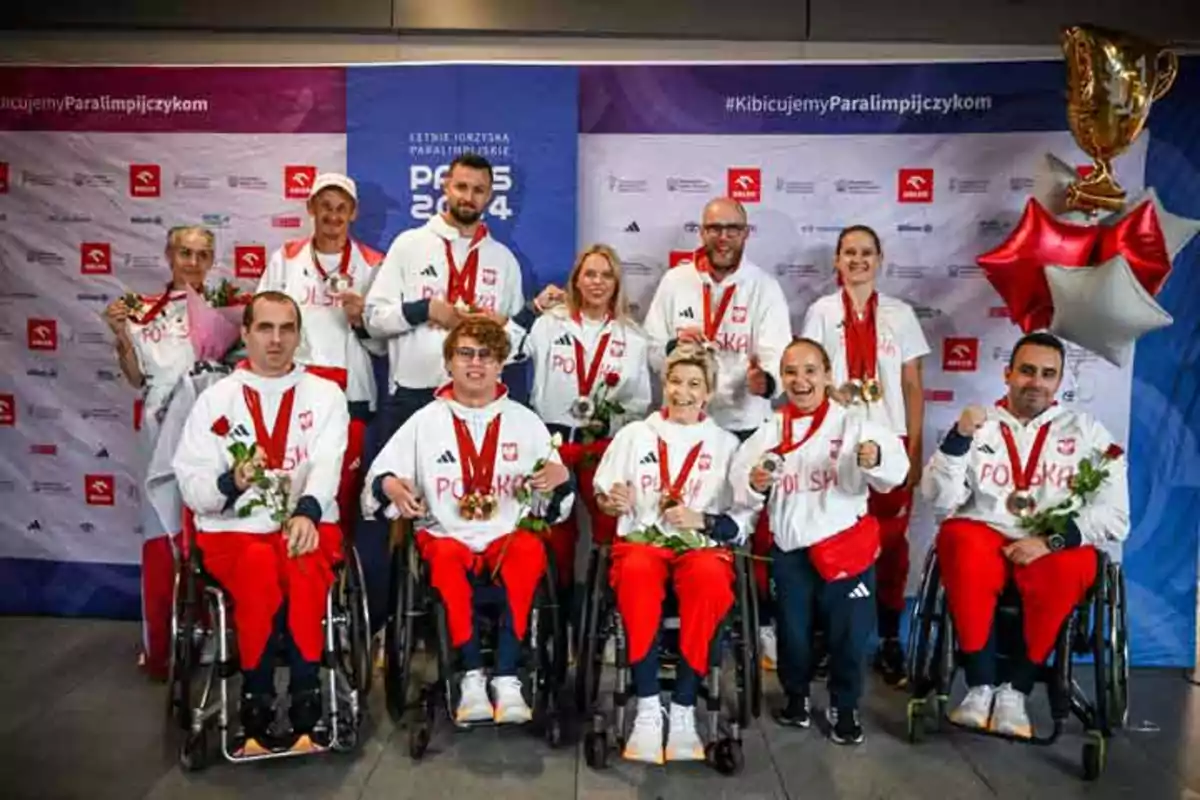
(846, 612)
(259, 681)
(371, 536)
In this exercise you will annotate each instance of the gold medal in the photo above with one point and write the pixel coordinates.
(872, 390)
(668, 501)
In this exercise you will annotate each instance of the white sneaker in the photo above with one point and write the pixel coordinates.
(474, 705)
(645, 741)
(768, 647)
(976, 708)
(683, 743)
(1009, 717)
(511, 707)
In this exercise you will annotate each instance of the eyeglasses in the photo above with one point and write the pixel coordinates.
(471, 353)
(732, 229)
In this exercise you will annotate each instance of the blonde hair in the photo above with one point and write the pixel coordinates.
(619, 304)
(695, 355)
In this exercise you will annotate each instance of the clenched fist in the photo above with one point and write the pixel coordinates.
(868, 455)
(617, 501)
(971, 420)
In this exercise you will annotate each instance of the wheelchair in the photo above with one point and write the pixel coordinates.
(1097, 628)
(203, 660)
(417, 632)
(738, 631)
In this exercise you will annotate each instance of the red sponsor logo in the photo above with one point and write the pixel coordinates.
(43, 449)
(95, 258)
(915, 185)
(298, 181)
(8, 410)
(42, 334)
(286, 221)
(745, 184)
(960, 354)
(509, 449)
(939, 395)
(249, 260)
(677, 257)
(1066, 447)
(488, 276)
(101, 490)
(3, 177)
(145, 180)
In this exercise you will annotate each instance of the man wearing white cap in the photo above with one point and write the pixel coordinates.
(328, 276)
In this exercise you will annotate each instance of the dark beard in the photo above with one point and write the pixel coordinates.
(722, 270)
(464, 217)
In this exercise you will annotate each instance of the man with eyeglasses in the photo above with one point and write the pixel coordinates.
(725, 301)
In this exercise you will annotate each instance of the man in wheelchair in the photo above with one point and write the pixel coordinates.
(1021, 505)
(259, 463)
(459, 467)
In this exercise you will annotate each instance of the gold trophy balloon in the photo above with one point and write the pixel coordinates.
(1112, 80)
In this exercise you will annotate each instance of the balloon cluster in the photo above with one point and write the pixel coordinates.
(1088, 278)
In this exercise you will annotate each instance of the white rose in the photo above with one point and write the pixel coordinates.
(556, 441)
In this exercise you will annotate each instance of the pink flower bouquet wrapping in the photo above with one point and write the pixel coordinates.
(213, 331)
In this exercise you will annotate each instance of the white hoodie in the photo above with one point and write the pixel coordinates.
(976, 483)
(415, 269)
(633, 457)
(315, 446)
(756, 322)
(821, 490)
(426, 452)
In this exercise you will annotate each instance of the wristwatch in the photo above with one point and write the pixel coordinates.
(1056, 542)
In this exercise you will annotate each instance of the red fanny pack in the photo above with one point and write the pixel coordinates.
(848, 553)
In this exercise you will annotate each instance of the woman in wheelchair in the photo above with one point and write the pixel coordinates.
(666, 478)
(259, 464)
(455, 467)
(813, 467)
(994, 470)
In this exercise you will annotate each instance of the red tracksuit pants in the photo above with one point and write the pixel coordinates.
(703, 583)
(256, 571)
(975, 572)
(522, 559)
(564, 537)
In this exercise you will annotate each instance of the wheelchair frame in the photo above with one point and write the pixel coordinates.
(345, 659)
(740, 628)
(1096, 627)
(416, 611)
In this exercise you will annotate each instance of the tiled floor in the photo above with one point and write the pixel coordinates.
(78, 721)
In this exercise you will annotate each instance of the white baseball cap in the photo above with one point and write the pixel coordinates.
(336, 180)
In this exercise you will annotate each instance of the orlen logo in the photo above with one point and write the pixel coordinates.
(939, 395)
(100, 490)
(960, 354)
(95, 258)
(3, 177)
(249, 260)
(915, 185)
(42, 334)
(298, 181)
(145, 180)
(745, 184)
(677, 257)
(8, 410)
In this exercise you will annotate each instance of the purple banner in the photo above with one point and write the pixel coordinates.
(174, 99)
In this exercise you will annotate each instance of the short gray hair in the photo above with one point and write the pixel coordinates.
(176, 233)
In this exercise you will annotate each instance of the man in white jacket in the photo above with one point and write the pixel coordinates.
(997, 472)
(259, 465)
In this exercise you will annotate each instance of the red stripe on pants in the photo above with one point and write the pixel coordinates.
(975, 571)
(892, 509)
(703, 583)
(158, 583)
(522, 565)
(256, 571)
(564, 537)
(350, 488)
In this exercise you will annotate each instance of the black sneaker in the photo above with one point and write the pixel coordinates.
(257, 713)
(890, 663)
(844, 727)
(796, 714)
(305, 711)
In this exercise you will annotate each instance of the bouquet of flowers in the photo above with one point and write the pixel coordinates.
(596, 412)
(278, 490)
(215, 320)
(534, 503)
(1084, 485)
(678, 543)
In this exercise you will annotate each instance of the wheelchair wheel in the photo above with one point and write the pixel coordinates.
(924, 631)
(589, 663)
(355, 649)
(745, 637)
(1117, 657)
(399, 636)
(194, 752)
(1094, 758)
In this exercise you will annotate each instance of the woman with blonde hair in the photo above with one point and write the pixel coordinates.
(591, 375)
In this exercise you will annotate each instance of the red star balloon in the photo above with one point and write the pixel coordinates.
(1016, 267)
(1139, 237)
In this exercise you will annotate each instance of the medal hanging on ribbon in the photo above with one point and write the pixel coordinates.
(1020, 502)
(478, 502)
(862, 351)
(585, 379)
(274, 443)
(672, 491)
(460, 289)
(712, 320)
(155, 310)
(340, 279)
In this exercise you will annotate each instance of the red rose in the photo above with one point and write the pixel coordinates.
(612, 379)
(221, 427)
(1113, 452)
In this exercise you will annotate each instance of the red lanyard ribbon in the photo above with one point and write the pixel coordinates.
(478, 466)
(674, 489)
(790, 415)
(156, 309)
(1023, 474)
(712, 322)
(462, 282)
(862, 351)
(587, 379)
(274, 444)
(343, 266)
